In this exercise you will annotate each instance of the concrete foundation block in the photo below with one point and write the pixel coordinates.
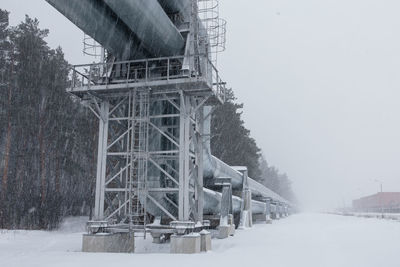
(232, 230)
(157, 238)
(109, 243)
(186, 244)
(268, 219)
(230, 219)
(224, 231)
(205, 237)
(246, 219)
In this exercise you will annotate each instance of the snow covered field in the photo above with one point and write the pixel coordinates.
(309, 240)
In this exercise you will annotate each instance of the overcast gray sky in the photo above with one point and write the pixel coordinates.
(320, 84)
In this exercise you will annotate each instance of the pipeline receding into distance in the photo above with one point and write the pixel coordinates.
(133, 29)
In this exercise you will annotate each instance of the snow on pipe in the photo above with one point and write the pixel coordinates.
(99, 21)
(150, 23)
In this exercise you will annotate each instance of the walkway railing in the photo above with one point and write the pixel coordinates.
(167, 69)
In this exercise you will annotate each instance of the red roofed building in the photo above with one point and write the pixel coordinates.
(388, 202)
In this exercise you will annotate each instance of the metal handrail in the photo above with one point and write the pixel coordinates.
(142, 70)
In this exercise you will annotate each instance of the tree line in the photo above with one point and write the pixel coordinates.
(232, 143)
(48, 140)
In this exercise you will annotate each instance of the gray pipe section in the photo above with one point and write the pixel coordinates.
(214, 168)
(151, 25)
(175, 6)
(260, 190)
(127, 27)
(97, 20)
(212, 203)
(212, 199)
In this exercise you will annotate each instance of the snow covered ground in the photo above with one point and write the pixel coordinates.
(309, 240)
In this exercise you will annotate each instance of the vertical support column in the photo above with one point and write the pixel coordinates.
(101, 161)
(273, 210)
(184, 159)
(268, 210)
(199, 156)
(226, 225)
(285, 213)
(278, 210)
(246, 213)
(226, 204)
(186, 165)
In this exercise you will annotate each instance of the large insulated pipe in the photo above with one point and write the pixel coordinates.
(212, 203)
(214, 168)
(98, 21)
(150, 23)
(175, 6)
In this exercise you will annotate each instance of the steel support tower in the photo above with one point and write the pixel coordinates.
(150, 147)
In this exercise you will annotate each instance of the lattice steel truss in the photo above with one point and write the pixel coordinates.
(132, 173)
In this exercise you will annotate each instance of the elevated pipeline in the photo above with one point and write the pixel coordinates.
(128, 29)
(214, 168)
(176, 6)
(129, 36)
(151, 25)
(97, 20)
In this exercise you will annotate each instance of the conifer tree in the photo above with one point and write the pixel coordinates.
(46, 167)
(230, 140)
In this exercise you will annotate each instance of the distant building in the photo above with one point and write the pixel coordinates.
(388, 202)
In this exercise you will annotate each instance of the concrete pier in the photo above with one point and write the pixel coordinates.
(246, 214)
(227, 229)
(186, 244)
(157, 238)
(109, 243)
(205, 237)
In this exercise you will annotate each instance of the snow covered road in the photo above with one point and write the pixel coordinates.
(309, 240)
